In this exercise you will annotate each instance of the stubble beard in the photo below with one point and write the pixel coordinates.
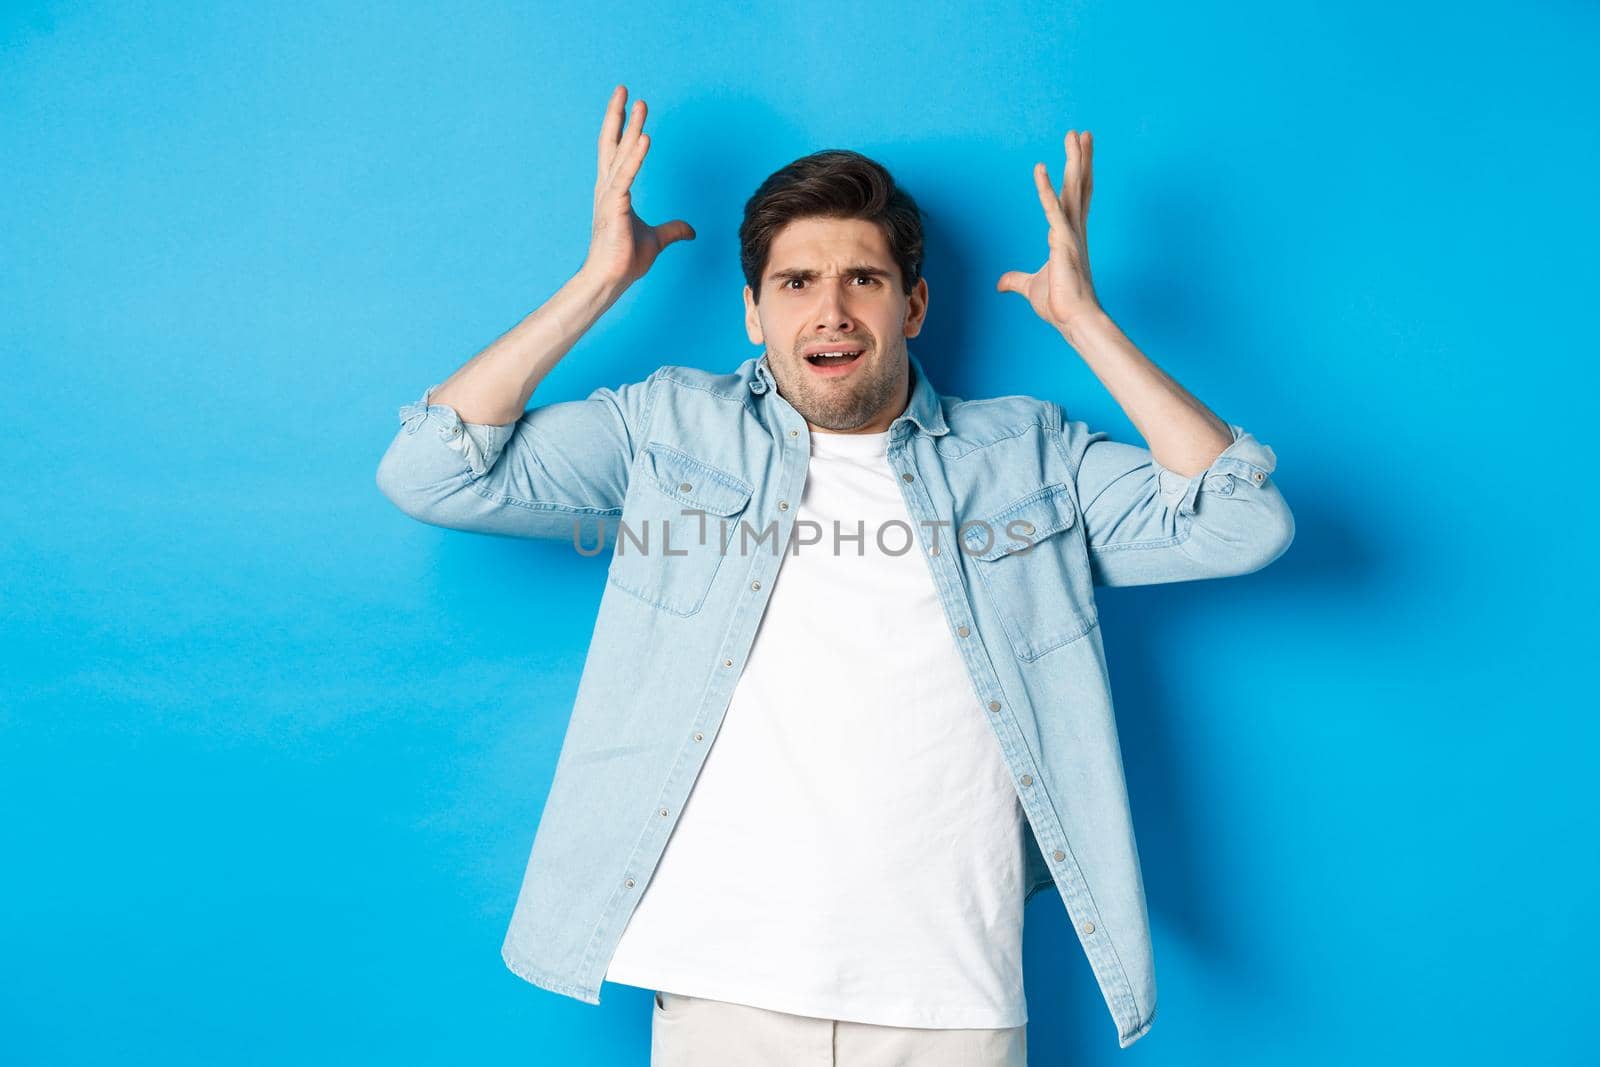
(842, 410)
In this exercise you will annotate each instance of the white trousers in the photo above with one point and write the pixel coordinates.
(699, 1032)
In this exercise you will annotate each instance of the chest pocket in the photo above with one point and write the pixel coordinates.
(669, 554)
(1031, 558)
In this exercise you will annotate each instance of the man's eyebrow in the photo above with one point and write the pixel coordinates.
(807, 274)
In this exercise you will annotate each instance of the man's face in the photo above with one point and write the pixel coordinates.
(832, 282)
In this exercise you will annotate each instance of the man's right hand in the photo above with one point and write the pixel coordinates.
(494, 386)
(622, 246)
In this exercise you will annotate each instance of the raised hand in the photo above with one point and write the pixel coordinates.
(622, 246)
(1062, 289)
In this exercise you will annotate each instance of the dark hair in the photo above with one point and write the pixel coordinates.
(833, 183)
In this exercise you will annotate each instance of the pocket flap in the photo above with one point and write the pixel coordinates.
(697, 484)
(1020, 525)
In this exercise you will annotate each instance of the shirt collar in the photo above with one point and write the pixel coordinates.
(924, 408)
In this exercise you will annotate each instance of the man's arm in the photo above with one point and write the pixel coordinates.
(1198, 503)
(469, 457)
(538, 474)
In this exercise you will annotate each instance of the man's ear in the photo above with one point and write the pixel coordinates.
(916, 308)
(752, 321)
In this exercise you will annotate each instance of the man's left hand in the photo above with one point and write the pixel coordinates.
(1061, 290)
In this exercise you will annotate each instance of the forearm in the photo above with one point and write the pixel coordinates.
(1181, 433)
(494, 386)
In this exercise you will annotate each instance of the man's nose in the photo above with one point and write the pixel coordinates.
(832, 313)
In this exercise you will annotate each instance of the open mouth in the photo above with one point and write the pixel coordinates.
(833, 362)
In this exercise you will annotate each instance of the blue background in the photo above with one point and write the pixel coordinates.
(273, 754)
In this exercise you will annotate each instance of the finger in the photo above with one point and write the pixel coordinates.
(610, 127)
(630, 136)
(1088, 171)
(676, 230)
(1047, 196)
(628, 164)
(1013, 281)
(1072, 176)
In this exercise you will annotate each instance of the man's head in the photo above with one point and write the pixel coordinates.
(832, 258)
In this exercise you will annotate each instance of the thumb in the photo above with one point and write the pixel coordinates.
(676, 230)
(1013, 281)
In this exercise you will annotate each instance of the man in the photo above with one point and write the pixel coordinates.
(876, 600)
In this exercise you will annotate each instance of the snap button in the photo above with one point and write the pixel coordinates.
(933, 550)
(727, 663)
(663, 811)
(994, 705)
(1027, 527)
(783, 505)
(1088, 927)
(755, 585)
(1257, 476)
(907, 476)
(1058, 854)
(1027, 779)
(684, 487)
(629, 883)
(962, 630)
(698, 736)
(454, 430)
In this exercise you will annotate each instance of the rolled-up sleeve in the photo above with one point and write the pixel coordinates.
(559, 465)
(1145, 523)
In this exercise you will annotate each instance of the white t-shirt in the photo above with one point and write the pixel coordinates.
(853, 846)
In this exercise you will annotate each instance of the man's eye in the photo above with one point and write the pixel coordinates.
(787, 282)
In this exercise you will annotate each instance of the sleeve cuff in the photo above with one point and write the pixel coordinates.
(478, 444)
(1245, 461)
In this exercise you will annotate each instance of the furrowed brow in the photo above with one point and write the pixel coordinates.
(807, 274)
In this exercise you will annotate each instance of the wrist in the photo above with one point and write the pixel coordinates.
(1080, 326)
(596, 289)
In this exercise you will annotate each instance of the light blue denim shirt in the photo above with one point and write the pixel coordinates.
(1019, 514)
